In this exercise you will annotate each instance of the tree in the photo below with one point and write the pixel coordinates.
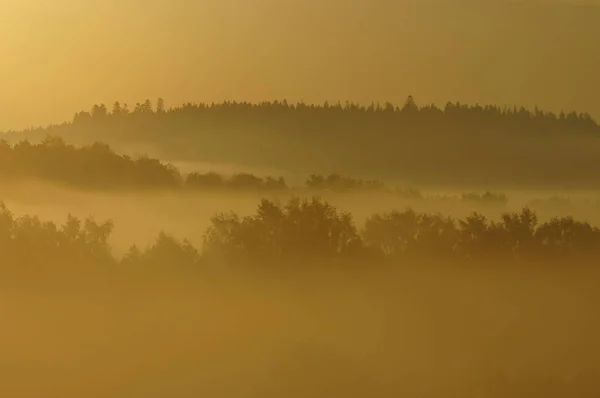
(410, 105)
(393, 233)
(117, 110)
(160, 105)
(99, 111)
(146, 107)
(298, 229)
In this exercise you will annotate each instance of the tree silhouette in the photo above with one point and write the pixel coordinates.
(160, 105)
(297, 229)
(409, 105)
(304, 231)
(459, 145)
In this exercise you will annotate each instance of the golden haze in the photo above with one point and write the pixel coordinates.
(61, 56)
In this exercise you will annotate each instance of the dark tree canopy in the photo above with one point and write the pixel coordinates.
(305, 231)
(97, 166)
(459, 145)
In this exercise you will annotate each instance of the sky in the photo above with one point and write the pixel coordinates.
(61, 56)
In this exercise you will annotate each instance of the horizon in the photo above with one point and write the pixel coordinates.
(65, 56)
(397, 105)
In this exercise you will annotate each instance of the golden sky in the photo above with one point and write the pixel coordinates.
(60, 56)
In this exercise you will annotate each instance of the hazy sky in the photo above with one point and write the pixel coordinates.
(60, 56)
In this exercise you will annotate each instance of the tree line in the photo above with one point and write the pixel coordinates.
(307, 230)
(99, 166)
(457, 144)
(312, 228)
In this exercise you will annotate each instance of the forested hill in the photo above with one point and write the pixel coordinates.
(457, 145)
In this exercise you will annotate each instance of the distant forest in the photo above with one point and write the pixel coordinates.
(307, 231)
(457, 145)
(98, 167)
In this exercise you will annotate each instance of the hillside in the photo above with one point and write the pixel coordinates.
(459, 145)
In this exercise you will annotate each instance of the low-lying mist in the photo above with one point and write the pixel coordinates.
(309, 329)
(422, 330)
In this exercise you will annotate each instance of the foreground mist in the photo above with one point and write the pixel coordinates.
(172, 322)
(420, 331)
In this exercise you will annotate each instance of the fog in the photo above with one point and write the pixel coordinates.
(232, 266)
(421, 331)
(224, 330)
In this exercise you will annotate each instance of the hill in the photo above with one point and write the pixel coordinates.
(459, 145)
